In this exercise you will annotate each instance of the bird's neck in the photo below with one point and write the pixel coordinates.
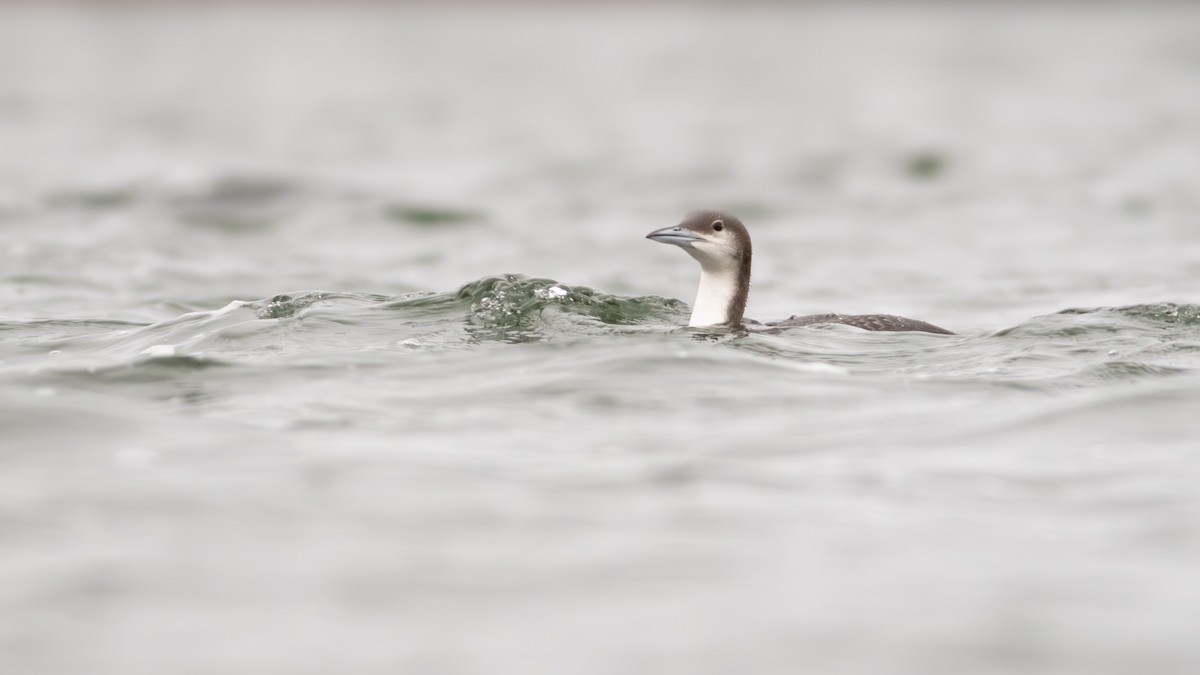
(721, 298)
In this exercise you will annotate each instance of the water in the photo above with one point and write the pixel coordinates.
(329, 341)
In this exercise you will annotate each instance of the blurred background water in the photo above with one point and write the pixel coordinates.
(329, 340)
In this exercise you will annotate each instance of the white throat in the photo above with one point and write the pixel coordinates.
(718, 287)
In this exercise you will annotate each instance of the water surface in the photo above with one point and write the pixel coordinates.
(329, 341)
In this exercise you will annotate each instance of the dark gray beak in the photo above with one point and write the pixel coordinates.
(674, 235)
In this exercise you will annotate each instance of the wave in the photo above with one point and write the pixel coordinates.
(1074, 347)
(502, 308)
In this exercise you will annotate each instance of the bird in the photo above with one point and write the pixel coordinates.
(721, 244)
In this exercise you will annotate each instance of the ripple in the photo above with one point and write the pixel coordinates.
(237, 203)
(1165, 312)
(428, 216)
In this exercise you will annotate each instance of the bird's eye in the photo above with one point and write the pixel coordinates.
(718, 225)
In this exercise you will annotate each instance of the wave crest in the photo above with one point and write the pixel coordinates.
(514, 301)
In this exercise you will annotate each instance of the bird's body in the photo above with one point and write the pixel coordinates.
(721, 244)
(864, 321)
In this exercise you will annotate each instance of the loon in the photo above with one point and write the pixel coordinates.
(721, 244)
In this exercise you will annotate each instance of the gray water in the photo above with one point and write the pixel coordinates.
(330, 341)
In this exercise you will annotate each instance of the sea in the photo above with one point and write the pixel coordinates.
(330, 340)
